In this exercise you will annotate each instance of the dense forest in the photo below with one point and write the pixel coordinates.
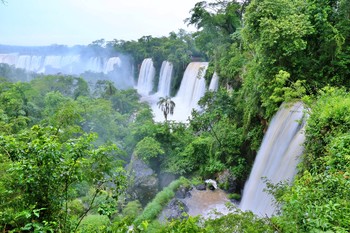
(66, 143)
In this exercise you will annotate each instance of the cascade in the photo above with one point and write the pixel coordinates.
(95, 64)
(67, 64)
(166, 72)
(116, 69)
(192, 88)
(146, 77)
(214, 83)
(110, 64)
(276, 160)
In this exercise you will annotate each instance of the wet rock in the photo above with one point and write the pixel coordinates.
(227, 181)
(183, 192)
(201, 187)
(143, 182)
(176, 209)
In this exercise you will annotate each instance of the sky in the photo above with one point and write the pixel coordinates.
(80, 22)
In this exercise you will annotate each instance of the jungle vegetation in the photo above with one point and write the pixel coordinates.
(64, 143)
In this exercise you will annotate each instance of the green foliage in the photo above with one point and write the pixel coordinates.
(94, 223)
(153, 208)
(148, 148)
(43, 169)
(189, 225)
(234, 196)
(132, 209)
(238, 221)
(329, 118)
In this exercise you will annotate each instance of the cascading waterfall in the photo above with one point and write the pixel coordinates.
(214, 83)
(146, 77)
(116, 69)
(192, 88)
(67, 64)
(111, 63)
(166, 73)
(276, 160)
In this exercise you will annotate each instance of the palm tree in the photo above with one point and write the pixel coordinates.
(167, 106)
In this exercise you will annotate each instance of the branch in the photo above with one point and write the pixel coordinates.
(82, 216)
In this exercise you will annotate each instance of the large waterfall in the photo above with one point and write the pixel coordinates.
(67, 64)
(146, 77)
(276, 160)
(90, 63)
(166, 73)
(192, 88)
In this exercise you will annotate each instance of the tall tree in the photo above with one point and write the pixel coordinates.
(167, 106)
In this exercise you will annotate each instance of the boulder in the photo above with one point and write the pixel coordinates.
(183, 192)
(175, 209)
(201, 187)
(227, 181)
(143, 182)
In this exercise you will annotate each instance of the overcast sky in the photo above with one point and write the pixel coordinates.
(71, 22)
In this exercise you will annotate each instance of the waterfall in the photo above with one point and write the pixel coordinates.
(95, 64)
(166, 72)
(146, 77)
(116, 69)
(110, 64)
(214, 83)
(67, 64)
(192, 88)
(276, 160)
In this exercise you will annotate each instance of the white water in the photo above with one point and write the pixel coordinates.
(146, 77)
(214, 83)
(277, 159)
(166, 73)
(192, 88)
(67, 64)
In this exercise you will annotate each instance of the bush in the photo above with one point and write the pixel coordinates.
(94, 223)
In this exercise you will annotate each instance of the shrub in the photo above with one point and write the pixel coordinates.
(94, 223)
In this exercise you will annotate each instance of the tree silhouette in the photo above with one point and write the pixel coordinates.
(167, 106)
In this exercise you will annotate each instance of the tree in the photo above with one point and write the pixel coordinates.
(41, 171)
(167, 106)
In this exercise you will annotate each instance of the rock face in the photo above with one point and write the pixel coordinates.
(174, 210)
(183, 192)
(227, 181)
(201, 187)
(143, 182)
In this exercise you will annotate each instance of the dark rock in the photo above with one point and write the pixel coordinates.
(175, 209)
(143, 182)
(183, 192)
(201, 187)
(227, 181)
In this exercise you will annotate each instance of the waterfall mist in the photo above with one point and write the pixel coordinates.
(80, 61)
